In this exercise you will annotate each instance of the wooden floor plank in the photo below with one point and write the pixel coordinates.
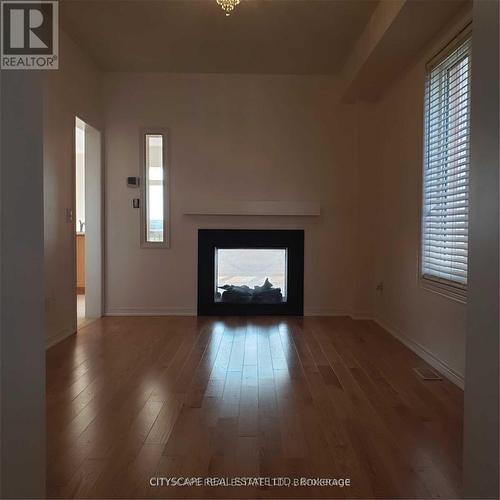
(130, 399)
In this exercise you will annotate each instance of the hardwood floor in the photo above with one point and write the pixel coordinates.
(133, 398)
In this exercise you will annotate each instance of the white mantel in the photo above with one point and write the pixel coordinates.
(262, 208)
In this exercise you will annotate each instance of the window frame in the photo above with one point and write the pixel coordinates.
(447, 288)
(144, 243)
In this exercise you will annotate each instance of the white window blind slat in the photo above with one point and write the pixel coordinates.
(443, 134)
(459, 173)
(459, 148)
(454, 98)
(445, 206)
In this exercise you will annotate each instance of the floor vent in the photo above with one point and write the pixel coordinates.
(427, 373)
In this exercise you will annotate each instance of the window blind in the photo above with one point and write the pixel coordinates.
(446, 169)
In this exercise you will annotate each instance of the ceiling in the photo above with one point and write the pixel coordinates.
(194, 36)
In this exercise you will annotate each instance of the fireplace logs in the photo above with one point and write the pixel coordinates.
(265, 294)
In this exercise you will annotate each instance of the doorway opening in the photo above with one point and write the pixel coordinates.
(80, 219)
(88, 223)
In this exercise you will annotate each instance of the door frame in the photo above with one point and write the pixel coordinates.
(94, 233)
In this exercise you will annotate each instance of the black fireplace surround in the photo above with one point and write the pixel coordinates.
(210, 240)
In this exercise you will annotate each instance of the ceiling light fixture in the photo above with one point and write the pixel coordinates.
(228, 5)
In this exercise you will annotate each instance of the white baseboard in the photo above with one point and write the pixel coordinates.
(58, 337)
(436, 363)
(138, 311)
(325, 312)
(188, 311)
(362, 315)
(338, 312)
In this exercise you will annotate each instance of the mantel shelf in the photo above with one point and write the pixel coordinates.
(261, 208)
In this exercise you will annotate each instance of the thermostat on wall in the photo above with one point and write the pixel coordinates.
(133, 182)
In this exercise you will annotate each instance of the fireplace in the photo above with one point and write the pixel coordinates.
(250, 272)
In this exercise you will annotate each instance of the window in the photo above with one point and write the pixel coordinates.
(154, 227)
(446, 171)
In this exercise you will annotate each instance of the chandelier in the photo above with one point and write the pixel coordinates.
(228, 5)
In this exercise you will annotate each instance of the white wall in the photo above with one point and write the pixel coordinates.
(391, 178)
(22, 361)
(481, 424)
(231, 137)
(245, 137)
(73, 90)
(365, 210)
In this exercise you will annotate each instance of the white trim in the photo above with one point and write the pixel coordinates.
(436, 363)
(160, 311)
(362, 315)
(58, 337)
(260, 208)
(187, 311)
(451, 45)
(325, 312)
(444, 289)
(94, 222)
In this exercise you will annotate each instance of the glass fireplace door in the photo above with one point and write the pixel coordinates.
(250, 275)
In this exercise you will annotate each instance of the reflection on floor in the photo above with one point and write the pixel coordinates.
(81, 320)
(133, 398)
(80, 307)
